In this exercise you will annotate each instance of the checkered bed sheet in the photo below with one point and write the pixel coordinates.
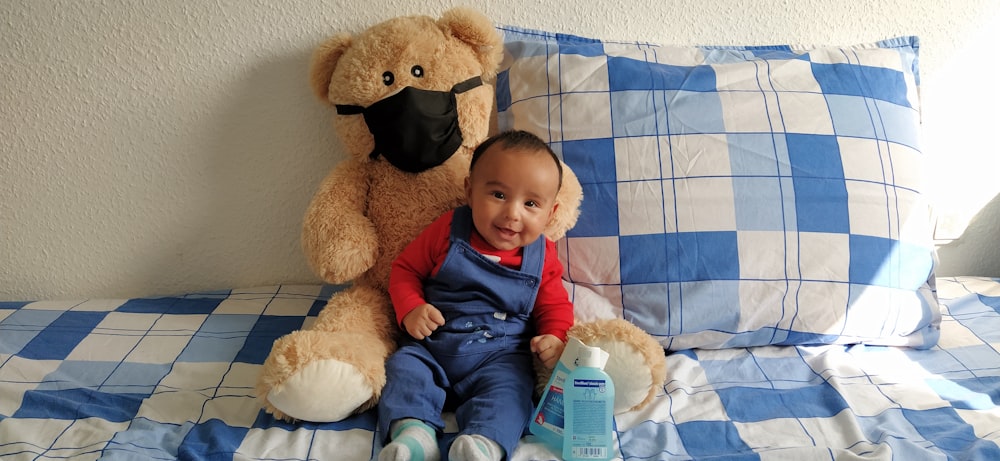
(173, 377)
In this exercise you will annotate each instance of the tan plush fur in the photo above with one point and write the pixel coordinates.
(640, 369)
(365, 211)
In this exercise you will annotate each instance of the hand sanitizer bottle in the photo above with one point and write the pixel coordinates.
(547, 421)
(589, 399)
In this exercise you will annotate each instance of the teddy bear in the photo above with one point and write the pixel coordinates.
(413, 98)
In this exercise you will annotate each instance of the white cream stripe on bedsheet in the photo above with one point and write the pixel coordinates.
(172, 378)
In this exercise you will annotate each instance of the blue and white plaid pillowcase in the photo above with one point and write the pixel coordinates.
(737, 196)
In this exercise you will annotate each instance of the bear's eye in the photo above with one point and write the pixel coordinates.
(388, 78)
(417, 71)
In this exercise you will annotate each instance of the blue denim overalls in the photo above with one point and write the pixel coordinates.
(481, 356)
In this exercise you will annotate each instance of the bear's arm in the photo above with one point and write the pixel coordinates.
(338, 239)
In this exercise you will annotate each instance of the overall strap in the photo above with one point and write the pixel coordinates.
(461, 224)
(533, 257)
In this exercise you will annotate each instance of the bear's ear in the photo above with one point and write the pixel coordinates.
(324, 61)
(475, 29)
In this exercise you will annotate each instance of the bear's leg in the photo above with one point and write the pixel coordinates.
(336, 367)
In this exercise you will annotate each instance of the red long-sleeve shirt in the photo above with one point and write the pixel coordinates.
(553, 312)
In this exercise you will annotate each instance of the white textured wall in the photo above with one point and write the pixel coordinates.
(152, 147)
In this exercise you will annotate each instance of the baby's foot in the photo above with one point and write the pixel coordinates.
(412, 440)
(474, 448)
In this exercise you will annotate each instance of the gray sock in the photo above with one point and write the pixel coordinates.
(474, 448)
(412, 440)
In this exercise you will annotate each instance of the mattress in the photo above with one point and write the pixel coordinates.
(173, 378)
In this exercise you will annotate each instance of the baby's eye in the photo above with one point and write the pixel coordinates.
(531, 204)
(498, 195)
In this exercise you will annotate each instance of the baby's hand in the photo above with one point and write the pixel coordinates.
(422, 321)
(548, 348)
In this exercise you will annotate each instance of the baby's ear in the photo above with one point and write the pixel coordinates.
(552, 217)
(569, 198)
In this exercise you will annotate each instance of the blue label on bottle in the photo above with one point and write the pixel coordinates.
(590, 383)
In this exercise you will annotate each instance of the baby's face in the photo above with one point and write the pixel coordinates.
(512, 192)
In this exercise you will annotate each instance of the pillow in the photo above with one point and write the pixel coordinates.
(740, 195)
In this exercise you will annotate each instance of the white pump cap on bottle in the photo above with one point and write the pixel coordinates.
(589, 356)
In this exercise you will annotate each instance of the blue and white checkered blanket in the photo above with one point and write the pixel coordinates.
(172, 378)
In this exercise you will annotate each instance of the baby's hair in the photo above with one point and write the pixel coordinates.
(517, 139)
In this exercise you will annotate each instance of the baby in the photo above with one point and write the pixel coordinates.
(478, 292)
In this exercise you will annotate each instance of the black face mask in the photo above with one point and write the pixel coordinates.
(415, 130)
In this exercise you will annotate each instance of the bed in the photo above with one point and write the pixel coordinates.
(173, 377)
(757, 210)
